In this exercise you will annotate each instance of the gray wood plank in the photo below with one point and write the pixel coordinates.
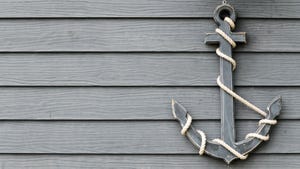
(145, 69)
(128, 137)
(257, 161)
(123, 35)
(130, 103)
(144, 8)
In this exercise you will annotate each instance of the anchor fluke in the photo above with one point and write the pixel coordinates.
(197, 137)
(274, 107)
(179, 112)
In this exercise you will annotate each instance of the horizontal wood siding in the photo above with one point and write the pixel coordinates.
(144, 8)
(140, 35)
(145, 69)
(257, 161)
(128, 137)
(89, 83)
(134, 103)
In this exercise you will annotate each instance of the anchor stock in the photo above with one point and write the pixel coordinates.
(226, 147)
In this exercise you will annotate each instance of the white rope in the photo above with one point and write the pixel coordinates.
(239, 98)
(259, 136)
(226, 37)
(229, 59)
(187, 125)
(230, 22)
(267, 121)
(202, 134)
(232, 150)
(203, 142)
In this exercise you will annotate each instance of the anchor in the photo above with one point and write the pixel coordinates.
(226, 147)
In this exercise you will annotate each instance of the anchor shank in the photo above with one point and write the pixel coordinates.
(227, 103)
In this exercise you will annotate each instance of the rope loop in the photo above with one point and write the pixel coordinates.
(230, 22)
(259, 136)
(267, 121)
(226, 37)
(229, 59)
(203, 142)
(187, 125)
(201, 133)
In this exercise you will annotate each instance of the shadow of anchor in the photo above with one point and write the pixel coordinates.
(227, 148)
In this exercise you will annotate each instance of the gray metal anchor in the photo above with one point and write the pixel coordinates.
(226, 147)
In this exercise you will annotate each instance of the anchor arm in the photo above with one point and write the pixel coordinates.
(180, 114)
(211, 148)
(247, 145)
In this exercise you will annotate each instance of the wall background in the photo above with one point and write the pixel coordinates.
(88, 84)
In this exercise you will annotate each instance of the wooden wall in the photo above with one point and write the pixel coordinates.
(88, 83)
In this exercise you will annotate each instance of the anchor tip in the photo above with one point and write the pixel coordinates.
(274, 107)
(173, 108)
(178, 110)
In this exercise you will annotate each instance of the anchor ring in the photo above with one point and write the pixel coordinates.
(223, 11)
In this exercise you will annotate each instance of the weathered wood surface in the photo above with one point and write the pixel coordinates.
(126, 52)
(152, 35)
(131, 103)
(144, 8)
(145, 69)
(257, 161)
(128, 137)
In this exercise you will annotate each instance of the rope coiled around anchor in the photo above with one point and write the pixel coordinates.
(234, 95)
(201, 133)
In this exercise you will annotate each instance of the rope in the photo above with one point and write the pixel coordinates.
(229, 59)
(232, 150)
(239, 98)
(230, 22)
(255, 135)
(259, 136)
(267, 121)
(203, 143)
(226, 37)
(202, 134)
(187, 125)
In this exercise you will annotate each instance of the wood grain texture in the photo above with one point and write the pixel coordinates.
(144, 8)
(257, 161)
(129, 137)
(145, 69)
(88, 83)
(131, 103)
(151, 35)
